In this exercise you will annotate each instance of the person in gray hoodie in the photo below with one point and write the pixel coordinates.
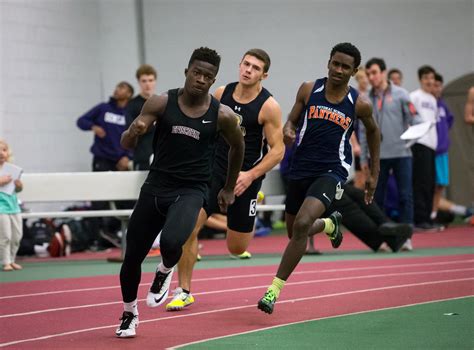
(393, 113)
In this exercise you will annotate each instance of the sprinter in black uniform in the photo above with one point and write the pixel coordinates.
(324, 111)
(260, 121)
(188, 121)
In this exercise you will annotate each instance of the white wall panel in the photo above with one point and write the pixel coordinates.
(58, 58)
(299, 35)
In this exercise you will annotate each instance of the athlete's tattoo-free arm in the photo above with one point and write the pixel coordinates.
(228, 123)
(229, 127)
(289, 130)
(152, 109)
(270, 117)
(230, 130)
(364, 113)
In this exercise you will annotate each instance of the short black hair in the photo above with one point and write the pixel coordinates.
(439, 77)
(348, 49)
(128, 85)
(395, 70)
(425, 70)
(262, 56)
(205, 54)
(378, 61)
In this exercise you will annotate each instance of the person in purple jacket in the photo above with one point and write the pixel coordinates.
(107, 121)
(443, 124)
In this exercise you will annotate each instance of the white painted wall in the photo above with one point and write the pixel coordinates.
(2, 49)
(299, 35)
(118, 53)
(50, 73)
(58, 59)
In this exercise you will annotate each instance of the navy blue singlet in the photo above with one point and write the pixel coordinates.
(323, 144)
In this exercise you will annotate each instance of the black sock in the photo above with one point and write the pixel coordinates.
(186, 291)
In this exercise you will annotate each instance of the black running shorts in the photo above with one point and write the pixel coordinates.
(322, 188)
(240, 215)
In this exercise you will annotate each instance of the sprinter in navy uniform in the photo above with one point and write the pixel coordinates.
(260, 121)
(187, 123)
(328, 108)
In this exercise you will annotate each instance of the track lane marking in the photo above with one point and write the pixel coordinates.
(81, 290)
(337, 279)
(55, 335)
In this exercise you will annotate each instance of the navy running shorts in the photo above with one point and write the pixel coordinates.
(321, 187)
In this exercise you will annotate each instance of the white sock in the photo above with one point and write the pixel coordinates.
(458, 209)
(131, 307)
(163, 269)
(433, 215)
(156, 243)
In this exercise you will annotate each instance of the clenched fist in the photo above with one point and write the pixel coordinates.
(138, 127)
(289, 136)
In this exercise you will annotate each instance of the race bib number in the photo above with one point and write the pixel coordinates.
(253, 207)
(339, 191)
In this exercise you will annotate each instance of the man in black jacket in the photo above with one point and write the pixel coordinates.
(146, 77)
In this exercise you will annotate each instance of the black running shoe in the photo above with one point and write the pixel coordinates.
(268, 301)
(336, 235)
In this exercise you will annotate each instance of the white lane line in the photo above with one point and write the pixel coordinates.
(337, 279)
(55, 335)
(314, 319)
(81, 290)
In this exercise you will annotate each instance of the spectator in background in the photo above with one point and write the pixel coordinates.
(363, 88)
(444, 123)
(107, 121)
(455, 209)
(469, 118)
(469, 108)
(393, 113)
(146, 77)
(395, 76)
(11, 226)
(362, 82)
(424, 150)
(369, 223)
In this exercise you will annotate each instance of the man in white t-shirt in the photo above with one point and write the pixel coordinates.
(424, 150)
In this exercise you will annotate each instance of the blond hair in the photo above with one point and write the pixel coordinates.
(9, 152)
(361, 72)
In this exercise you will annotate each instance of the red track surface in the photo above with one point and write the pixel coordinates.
(225, 301)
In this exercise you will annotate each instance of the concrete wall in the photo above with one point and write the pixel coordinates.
(59, 58)
(461, 155)
(299, 35)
